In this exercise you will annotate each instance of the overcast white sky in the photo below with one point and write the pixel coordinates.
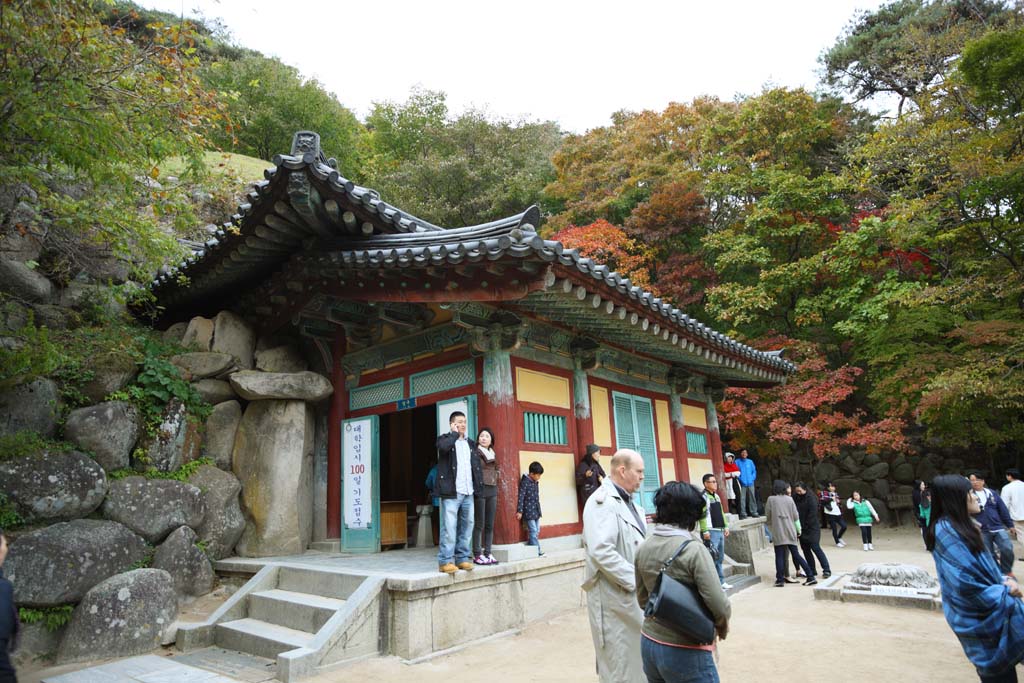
(572, 62)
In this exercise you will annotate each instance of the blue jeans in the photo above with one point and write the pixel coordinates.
(999, 540)
(532, 533)
(667, 664)
(718, 541)
(456, 529)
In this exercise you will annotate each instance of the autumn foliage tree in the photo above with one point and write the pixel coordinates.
(609, 245)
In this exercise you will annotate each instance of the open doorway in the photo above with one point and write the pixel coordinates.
(406, 456)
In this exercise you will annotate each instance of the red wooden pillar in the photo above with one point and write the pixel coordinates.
(497, 410)
(715, 445)
(339, 407)
(679, 438)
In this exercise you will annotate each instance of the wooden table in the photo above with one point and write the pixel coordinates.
(394, 522)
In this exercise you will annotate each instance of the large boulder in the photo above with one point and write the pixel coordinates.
(30, 407)
(849, 465)
(203, 364)
(199, 334)
(21, 234)
(882, 509)
(189, 567)
(57, 564)
(23, 282)
(221, 427)
(234, 336)
(881, 488)
(926, 470)
(153, 508)
(125, 615)
(826, 471)
(280, 359)
(175, 443)
(214, 391)
(175, 333)
(871, 459)
(903, 473)
(273, 460)
(877, 471)
(53, 486)
(845, 487)
(253, 385)
(110, 372)
(224, 523)
(107, 430)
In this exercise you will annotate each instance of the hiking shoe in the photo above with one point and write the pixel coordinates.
(465, 566)
(811, 581)
(448, 568)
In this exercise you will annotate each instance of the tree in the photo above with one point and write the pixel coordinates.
(457, 171)
(609, 245)
(269, 101)
(84, 104)
(905, 47)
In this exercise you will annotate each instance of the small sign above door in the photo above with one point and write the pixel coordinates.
(405, 404)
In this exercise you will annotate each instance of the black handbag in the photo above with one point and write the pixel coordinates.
(680, 606)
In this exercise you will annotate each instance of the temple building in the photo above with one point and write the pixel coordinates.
(411, 321)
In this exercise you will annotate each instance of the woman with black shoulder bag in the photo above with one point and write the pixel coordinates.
(673, 653)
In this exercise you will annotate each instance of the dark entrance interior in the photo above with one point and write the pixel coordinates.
(406, 456)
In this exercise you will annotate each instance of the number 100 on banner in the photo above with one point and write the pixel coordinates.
(357, 472)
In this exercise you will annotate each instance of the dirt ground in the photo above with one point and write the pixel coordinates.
(775, 635)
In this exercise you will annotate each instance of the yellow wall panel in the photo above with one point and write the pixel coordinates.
(557, 486)
(542, 388)
(694, 416)
(600, 416)
(664, 426)
(698, 468)
(668, 470)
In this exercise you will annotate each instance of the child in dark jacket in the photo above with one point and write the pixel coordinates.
(528, 507)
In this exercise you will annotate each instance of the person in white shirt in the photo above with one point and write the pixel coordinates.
(1013, 496)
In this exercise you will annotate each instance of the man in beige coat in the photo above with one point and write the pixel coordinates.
(613, 527)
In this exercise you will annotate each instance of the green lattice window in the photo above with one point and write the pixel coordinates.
(442, 379)
(545, 428)
(696, 442)
(376, 394)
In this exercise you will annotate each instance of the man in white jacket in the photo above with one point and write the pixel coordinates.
(1013, 495)
(613, 528)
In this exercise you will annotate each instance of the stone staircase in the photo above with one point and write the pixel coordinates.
(303, 618)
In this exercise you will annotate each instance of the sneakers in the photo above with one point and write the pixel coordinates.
(780, 584)
(871, 546)
(480, 559)
(865, 546)
(491, 560)
(540, 553)
(826, 574)
(840, 543)
(789, 580)
(800, 574)
(726, 585)
(466, 566)
(448, 568)
(811, 581)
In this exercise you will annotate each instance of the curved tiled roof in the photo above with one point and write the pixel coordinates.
(305, 210)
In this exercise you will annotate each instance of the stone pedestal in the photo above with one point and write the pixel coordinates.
(424, 537)
(746, 539)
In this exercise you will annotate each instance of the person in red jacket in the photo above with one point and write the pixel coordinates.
(731, 475)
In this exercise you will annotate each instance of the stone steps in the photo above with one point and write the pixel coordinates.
(314, 582)
(260, 638)
(299, 611)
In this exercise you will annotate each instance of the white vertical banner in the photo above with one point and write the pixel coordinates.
(357, 473)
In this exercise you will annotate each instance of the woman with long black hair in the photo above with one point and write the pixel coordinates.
(981, 605)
